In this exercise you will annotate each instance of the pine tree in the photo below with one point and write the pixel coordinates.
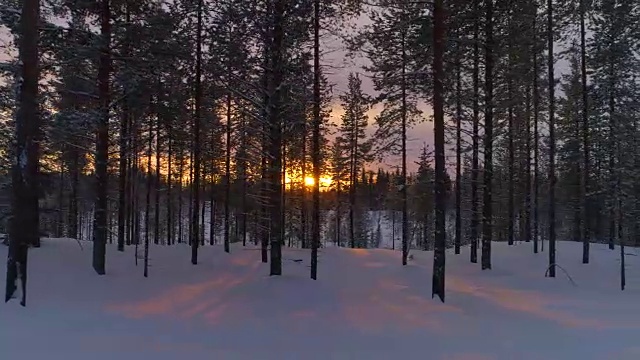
(102, 142)
(488, 139)
(24, 231)
(352, 134)
(438, 287)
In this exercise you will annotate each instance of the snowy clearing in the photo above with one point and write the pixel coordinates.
(364, 306)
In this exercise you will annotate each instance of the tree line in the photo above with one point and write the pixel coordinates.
(198, 121)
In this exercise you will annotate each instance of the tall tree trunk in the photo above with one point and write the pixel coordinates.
(264, 170)
(190, 189)
(202, 218)
(73, 201)
(60, 213)
(158, 180)
(180, 190)
(212, 197)
(552, 145)
(475, 163)
(243, 166)
(24, 224)
(122, 178)
(227, 172)
(403, 192)
(338, 212)
(284, 190)
(275, 132)
(122, 174)
(135, 185)
(102, 142)
(458, 239)
(536, 134)
(196, 139)
(147, 206)
(303, 166)
(612, 156)
(585, 138)
(353, 196)
(315, 221)
(487, 210)
(510, 135)
(438, 282)
(170, 228)
(527, 170)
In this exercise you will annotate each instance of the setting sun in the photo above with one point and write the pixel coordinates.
(309, 181)
(324, 181)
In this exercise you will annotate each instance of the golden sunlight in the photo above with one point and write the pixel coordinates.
(325, 181)
(309, 181)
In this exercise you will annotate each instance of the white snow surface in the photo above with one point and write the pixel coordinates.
(365, 305)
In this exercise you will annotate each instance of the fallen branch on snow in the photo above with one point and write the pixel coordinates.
(546, 273)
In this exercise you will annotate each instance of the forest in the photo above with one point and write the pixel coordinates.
(143, 123)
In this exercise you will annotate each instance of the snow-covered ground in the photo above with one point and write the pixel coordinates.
(365, 305)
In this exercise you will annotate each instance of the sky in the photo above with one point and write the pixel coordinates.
(337, 65)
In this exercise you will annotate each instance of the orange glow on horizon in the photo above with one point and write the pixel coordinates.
(309, 181)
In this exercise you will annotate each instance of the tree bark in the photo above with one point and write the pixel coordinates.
(102, 142)
(315, 152)
(475, 137)
(194, 233)
(552, 145)
(585, 138)
(438, 283)
(487, 210)
(275, 137)
(24, 223)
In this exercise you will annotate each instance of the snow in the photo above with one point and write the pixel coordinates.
(365, 305)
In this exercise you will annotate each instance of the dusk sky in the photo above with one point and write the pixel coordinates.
(337, 66)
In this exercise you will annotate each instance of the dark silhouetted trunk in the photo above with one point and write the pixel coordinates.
(227, 176)
(100, 227)
(147, 206)
(586, 231)
(194, 233)
(275, 137)
(487, 210)
(403, 191)
(536, 135)
(475, 163)
(24, 224)
(552, 145)
(438, 284)
(458, 239)
(315, 152)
